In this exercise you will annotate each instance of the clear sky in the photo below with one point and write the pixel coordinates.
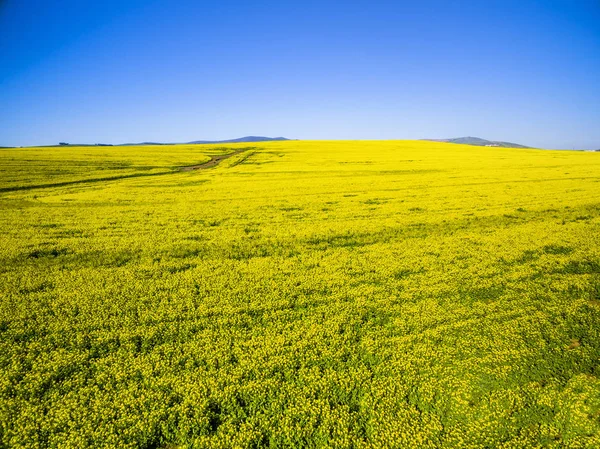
(119, 71)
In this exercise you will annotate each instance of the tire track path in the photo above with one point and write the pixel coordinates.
(213, 162)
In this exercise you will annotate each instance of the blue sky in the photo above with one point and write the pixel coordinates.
(128, 71)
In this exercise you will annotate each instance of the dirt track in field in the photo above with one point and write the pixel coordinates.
(214, 160)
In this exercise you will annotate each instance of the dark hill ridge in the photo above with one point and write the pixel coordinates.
(240, 140)
(479, 142)
(243, 139)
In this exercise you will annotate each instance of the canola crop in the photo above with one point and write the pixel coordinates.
(324, 294)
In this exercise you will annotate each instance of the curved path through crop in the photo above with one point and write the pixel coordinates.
(214, 160)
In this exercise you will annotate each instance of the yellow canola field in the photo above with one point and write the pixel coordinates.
(330, 294)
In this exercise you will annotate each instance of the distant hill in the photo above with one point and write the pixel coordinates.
(144, 143)
(242, 139)
(480, 142)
